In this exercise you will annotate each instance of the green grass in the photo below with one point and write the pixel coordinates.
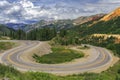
(6, 45)
(58, 55)
(4, 38)
(11, 73)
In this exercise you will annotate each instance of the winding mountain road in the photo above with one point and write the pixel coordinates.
(99, 58)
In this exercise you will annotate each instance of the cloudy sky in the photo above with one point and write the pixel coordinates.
(21, 11)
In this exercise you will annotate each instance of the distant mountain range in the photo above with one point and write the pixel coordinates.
(58, 24)
(64, 24)
(16, 26)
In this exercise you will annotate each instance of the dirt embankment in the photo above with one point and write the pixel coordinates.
(41, 49)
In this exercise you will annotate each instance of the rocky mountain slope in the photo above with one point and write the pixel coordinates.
(112, 15)
(85, 19)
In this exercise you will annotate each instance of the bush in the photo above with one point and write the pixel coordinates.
(6, 45)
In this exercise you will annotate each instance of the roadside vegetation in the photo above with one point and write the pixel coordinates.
(59, 55)
(108, 43)
(6, 45)
(4, 38)
(112, 73)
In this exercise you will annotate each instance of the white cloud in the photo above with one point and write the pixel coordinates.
(26, 4)
(13, 9)
(102, 6)
(4, 3)
(23, 10)
(13, 21)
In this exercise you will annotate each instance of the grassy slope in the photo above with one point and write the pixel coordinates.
(110, 27)
(4, 29)
(58, 55)
(6, 45)
(112, 74)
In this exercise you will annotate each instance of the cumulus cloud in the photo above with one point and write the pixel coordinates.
(24, 10)
(4, 3)
(103, 7)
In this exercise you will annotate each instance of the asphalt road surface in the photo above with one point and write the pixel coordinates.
(100, 57)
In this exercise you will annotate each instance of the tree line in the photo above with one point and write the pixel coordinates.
(42, 34)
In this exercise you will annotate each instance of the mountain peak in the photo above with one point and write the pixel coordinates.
(112, 15)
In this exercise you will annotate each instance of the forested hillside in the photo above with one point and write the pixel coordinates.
(108, 27)
(104, 27)
(4, 30)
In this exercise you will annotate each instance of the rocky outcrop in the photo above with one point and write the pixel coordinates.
(112, 15)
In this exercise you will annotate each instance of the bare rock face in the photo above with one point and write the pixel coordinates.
(85, 19)
(112, 15)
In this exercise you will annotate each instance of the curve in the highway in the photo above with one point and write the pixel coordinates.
(100, 57)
